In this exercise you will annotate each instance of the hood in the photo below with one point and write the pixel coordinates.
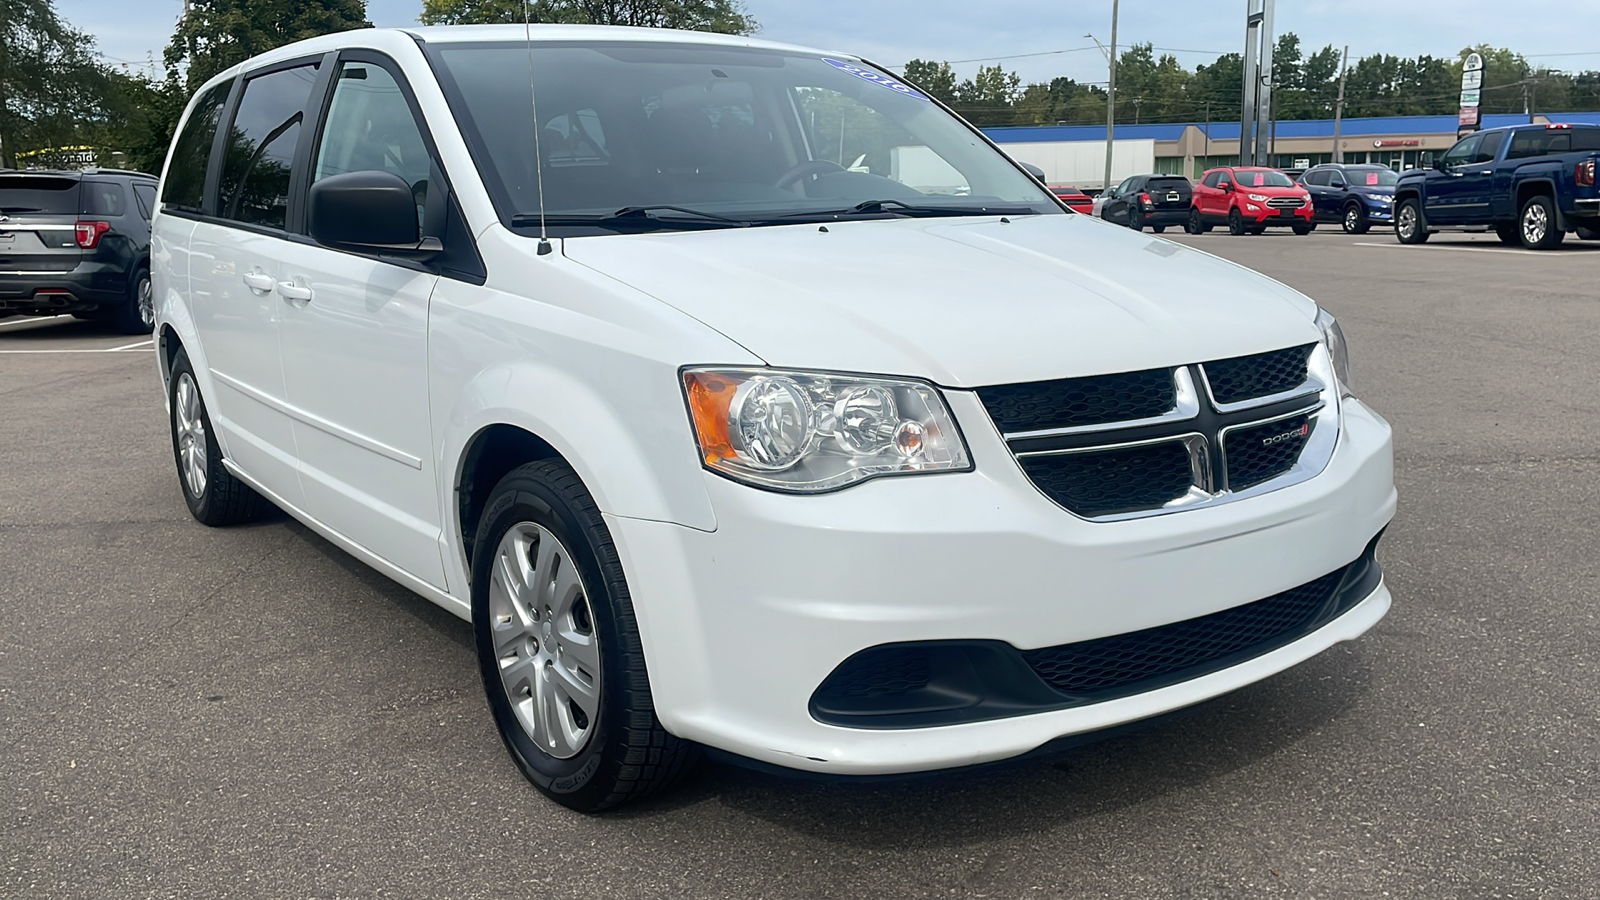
(962, 303)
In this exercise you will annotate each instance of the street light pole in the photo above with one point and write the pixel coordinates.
(1338, 105)
(1111, 95)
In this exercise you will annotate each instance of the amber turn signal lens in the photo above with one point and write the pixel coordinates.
(710, 396)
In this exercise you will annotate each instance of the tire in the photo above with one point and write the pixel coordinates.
(1536, 224)
(136, 314)
(1588, 233)
(1235, 222)
(1158, 229)
(213, 495)
(1135, 221)
(1508, 234)
(1194, 225)
(582, 649)
(1354, 220)
(1303, 230)
(1408, 227)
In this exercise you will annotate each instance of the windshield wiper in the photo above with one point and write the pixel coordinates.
(902, 208)
(635, 218)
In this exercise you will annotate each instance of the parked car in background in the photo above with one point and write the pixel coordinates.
(1148, 200)
(1249, 200)
(77, 242)
(1355, 196)
(800, 462)
(1531, 183)
(1075, 199)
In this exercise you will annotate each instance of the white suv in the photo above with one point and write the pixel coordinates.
(740, 395)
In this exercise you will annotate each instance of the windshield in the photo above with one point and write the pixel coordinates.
(1262, 178)
(741, 134)
(1372, 177)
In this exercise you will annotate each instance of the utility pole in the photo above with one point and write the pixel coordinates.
(1338, 105)
(1111, 95)
(1268, 42)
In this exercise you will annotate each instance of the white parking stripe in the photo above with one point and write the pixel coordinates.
(7, 326)
(133, 345)
(112, 350)
(1542, 253)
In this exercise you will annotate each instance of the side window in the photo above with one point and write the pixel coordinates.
(186, 170)
(1212, 179)
(1462, 151)
(1317, 176)
(1489, 147)
(1125, 186)
(103, 198)
(1525, 142)
(370, 128)
(261, 144)
(145, 194)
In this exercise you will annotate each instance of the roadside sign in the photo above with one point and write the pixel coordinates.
(1471, 90)
(1474, 63)
(1471, 79)
(1468, 116)
(1469, 98)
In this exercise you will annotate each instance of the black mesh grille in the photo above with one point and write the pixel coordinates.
(884, 672)
(1101, 482)
(1262, 452)
(1143, 660)
(1071, 402)
(1248, 377)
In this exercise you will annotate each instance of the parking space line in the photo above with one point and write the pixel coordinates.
(132, 345)
(6, 326)
(1542, 253)
(132, 349)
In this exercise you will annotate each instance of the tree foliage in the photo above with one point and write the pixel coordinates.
(50, 80)
(724, 16)
(216, 34)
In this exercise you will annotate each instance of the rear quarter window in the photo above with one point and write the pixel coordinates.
(103, 198)
(38, 195)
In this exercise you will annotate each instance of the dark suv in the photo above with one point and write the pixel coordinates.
(79, 243)
(1153, 200)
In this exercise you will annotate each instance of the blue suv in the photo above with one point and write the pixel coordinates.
(1353, 196)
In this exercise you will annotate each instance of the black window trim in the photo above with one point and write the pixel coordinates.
(219, 148)
(206, 183)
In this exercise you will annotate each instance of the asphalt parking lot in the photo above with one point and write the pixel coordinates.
(249, 712)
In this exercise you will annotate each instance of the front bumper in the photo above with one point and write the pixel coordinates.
(91, 285)
(742, 624)
(1265, 215)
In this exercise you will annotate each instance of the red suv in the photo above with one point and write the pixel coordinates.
(1249, 198)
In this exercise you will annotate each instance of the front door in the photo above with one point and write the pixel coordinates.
(354, 332)
(1448, 193)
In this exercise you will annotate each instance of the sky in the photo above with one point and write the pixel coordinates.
(978, 31)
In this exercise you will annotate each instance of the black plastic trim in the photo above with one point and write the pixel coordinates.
(978, 680)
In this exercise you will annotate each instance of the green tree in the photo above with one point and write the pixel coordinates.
(987, 98)
(50, 81)
(216, 34)
(932, 78)
(724, 16)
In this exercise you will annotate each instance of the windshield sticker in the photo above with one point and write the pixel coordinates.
(1372, 178)
(877, 78)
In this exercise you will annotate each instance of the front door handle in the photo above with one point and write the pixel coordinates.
(291, 291)
(258, 281)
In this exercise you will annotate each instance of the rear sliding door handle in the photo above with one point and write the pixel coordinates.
(258, 281)
(291, 291)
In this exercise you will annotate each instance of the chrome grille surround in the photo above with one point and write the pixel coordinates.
(1285, 202)
(1202, 426)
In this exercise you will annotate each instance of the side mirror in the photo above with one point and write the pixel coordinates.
(368, 210)
(1337, 182)
(1224, 185)
(1033, 170)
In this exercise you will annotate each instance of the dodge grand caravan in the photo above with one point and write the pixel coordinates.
(637, 350)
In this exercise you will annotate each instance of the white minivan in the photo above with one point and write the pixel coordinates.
(742, 396)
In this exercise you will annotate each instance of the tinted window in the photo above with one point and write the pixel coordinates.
(186, 170)
(145, 194)
(1462, 151)
(38, 195)
(261, 144)
(1263, 178)
(1167, 184)
(103, 198)
(1541, 142)
(370, 128)
(1489, 147)
(1212, 179)
(1375, 175)
(1318, 177)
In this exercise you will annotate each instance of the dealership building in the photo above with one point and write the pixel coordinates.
(1189, 148)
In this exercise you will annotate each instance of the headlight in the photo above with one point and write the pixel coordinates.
(814, 431)
(1259, 198)
(1385, 199)
(1338, 351)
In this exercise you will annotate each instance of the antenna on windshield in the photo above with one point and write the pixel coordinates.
(538, 158)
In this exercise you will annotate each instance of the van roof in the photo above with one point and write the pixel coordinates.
(449, 34)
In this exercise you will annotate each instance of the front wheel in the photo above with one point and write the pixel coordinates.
(1408, 223)
(559, 649)
(1355, 220)
(1303, 229)
(1235, 222)
(1538, 224)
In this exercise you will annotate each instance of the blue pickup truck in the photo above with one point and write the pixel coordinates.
(1531, 183)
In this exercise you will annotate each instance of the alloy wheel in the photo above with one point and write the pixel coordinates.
(189, 421)
(1352, 219)
(1535, 224)
(146, 300)
(1406, 224)
(544, 640)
